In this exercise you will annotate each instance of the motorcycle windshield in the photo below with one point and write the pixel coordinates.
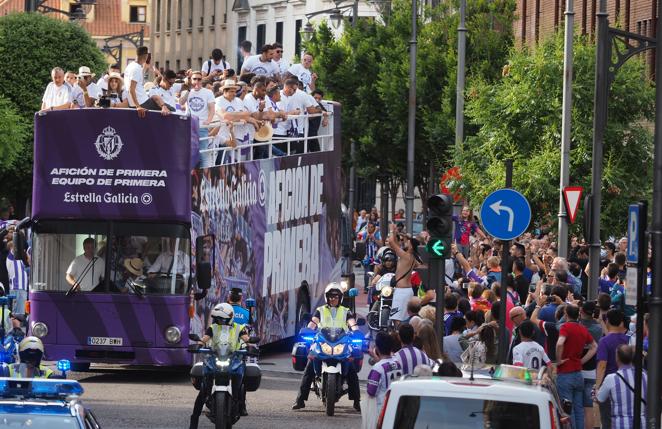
(332, 335)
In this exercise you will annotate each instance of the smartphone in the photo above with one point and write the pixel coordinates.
(149, 58)
(532, 287)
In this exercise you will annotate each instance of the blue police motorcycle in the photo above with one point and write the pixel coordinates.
(333, 351)
(223, 373)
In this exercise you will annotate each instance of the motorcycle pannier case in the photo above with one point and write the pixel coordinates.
(252, 377)
(196, 375)
(299, 356)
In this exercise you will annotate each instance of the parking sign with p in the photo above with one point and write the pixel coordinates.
(633, 234)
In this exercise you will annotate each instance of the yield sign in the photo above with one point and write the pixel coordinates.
(572, 195)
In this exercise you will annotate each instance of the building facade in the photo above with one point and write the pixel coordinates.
(106, 19)
(186, 31)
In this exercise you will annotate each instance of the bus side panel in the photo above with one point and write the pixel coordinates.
(276, 223)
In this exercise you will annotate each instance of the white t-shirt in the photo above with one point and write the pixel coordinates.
(78, 96)
(282, 66)
(254, 65)
(242, 133)
(198, 102)
(164, 264)
(56, 95)
(166, 95)
(134, 72)
(530, 354)
(92, 276)
(223, 65)
(302, 101)
(251, 103)
(282, 126)
(303, 74)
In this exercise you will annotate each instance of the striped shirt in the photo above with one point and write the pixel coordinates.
(382, 374)
(410, 357)
(18, 275)
(622, 397)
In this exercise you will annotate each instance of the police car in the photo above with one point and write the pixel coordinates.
(43, 403)
(512, 398)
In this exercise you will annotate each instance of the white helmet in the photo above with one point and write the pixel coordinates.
(332, 289)
(222, 314)
(31, 349)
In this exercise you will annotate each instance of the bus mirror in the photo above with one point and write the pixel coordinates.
(203, 275)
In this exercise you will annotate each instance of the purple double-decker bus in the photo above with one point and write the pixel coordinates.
(117, 214)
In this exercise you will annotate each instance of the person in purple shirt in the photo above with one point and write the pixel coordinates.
(450, 311)
(465, 227)
(606, 356)
(409, 356)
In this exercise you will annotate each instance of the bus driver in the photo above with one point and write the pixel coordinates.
(86, 270)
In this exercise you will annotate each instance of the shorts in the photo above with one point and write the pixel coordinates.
(588, 389)
(401, 297)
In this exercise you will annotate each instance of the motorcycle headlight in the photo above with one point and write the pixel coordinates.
(222, 365)
(344, 285)
(173, 335)
(387, 291)
(326, 349)
(338, 349)
(39, 330)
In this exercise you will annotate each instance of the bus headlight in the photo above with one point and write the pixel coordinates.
(39, 330)
(387, 291)
(172, 335)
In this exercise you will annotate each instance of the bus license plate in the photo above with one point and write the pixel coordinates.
(104, 341)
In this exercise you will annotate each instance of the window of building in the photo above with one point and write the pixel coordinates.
(200, 62)
(156, 64)
(297, 36)
(188, 63)
(279, 32)
(261, 36)
(213, 13)
(190, 13)
(241, 36)
(167, 67)
(179, 14)
(168, 14)
(158, 15)
(202, 12)
(138, 14)
(179, 65)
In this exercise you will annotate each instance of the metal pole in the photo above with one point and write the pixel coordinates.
(603, 56)
(411, 128)
(352, 180)
(355, 12)
(383, 207)
(566, 126)
(641, 293)
(437, 277)
(655, 301)
(505, 271)
(459, 88)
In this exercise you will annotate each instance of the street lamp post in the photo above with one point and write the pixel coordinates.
(411, 127)
(459, 90)
(115, 50)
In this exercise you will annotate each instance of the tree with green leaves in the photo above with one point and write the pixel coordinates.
(519, 118)
(31, 44)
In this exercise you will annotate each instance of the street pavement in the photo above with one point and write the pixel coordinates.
(127, 397)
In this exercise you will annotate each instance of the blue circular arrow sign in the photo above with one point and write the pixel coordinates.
(505, 214)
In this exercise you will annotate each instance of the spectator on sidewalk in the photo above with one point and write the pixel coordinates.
(587, 312)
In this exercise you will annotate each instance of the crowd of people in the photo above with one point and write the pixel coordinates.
(587, 344)
(267, 99)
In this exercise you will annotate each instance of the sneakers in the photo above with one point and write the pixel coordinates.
(298, 405)
(357, 406)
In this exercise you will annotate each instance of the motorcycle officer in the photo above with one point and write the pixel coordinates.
(240, 313)
(222, 317)
(30, 351)
(331, 315)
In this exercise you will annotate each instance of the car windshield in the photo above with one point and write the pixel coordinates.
(421, 412)
(135, 264)
(38, 421)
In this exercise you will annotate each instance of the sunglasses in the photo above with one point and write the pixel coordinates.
(196, 78)
(279, 51)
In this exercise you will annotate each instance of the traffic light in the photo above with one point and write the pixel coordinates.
(440, 226)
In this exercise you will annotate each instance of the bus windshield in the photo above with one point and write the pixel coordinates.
(149, 264)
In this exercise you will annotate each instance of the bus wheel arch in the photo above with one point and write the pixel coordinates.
(303, 305)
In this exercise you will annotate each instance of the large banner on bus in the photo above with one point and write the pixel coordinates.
(100, 164)
(277, 224)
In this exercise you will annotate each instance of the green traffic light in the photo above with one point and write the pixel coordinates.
(436, 247)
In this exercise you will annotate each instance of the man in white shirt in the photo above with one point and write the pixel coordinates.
(232, 108)
(86, 270)
(295, 99)
(281, 124)
(282, 64)
(134, 76)
(163, 92)
(261, 65)
(215, 66)
(85, 92)
(245, 48)
(165, 262)
(58, 94)
(200, 103)
(303, 73)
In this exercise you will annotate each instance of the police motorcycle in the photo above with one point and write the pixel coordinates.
(379, 316)
(332, 351)
(222, 373)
